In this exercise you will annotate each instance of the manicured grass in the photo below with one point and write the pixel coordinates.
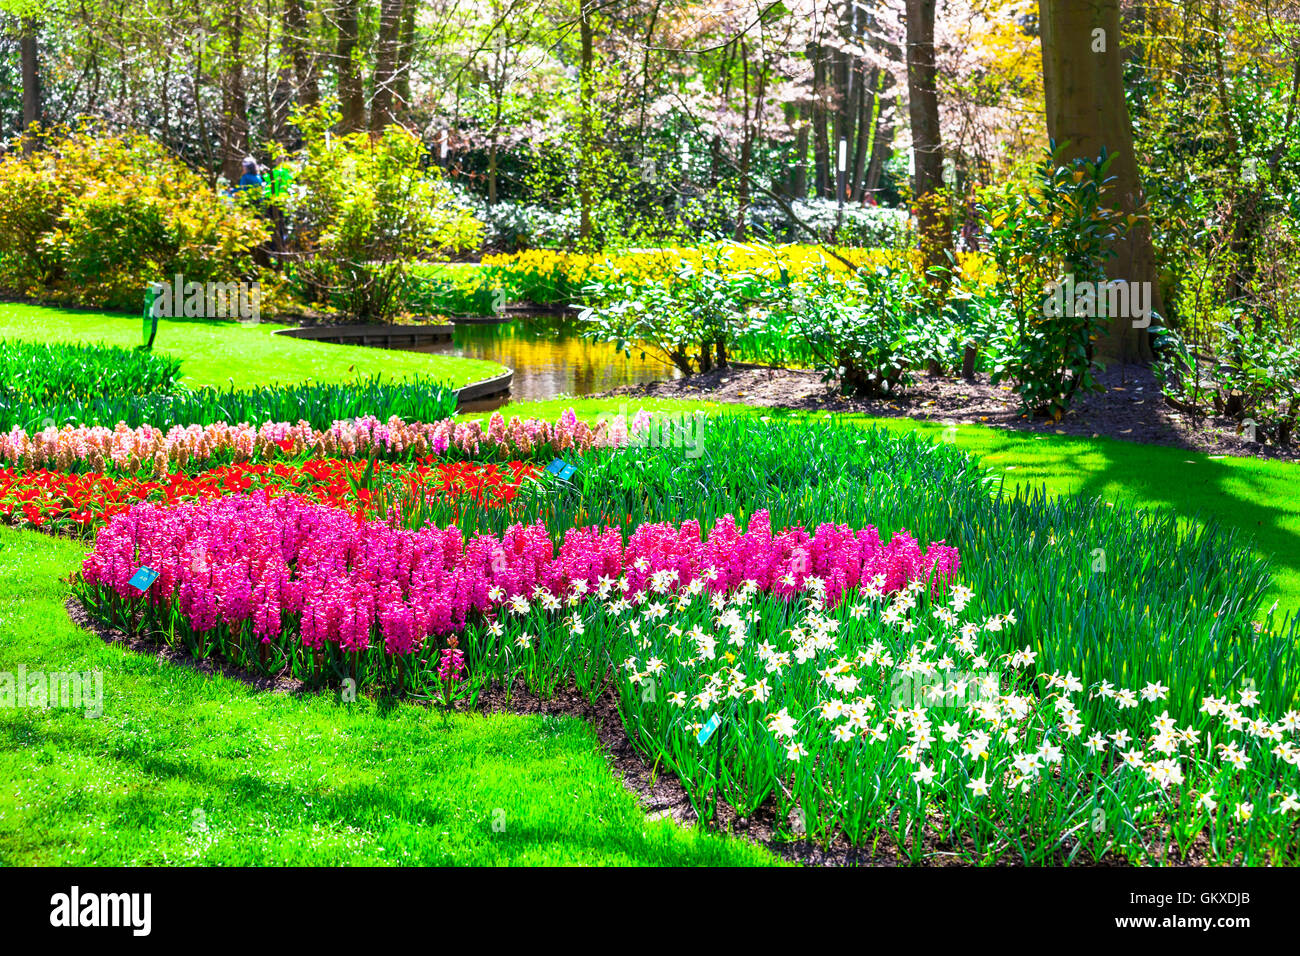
(183, 768)
(1259, 498)
(219, 352)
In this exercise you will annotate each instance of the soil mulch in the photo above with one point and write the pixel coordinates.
(1131, 407)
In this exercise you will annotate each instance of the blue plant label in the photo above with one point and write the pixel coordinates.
(707, 730)
(143, 578)
(562, 469)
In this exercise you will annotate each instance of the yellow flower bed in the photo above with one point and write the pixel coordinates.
(573, 269)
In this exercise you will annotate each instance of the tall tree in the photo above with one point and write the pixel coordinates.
(405, 53)
(586, 110)
(347, 75)
(927, 146)
(297, 46)
(799, 170)
(1084, 91)
(31, 73)
(383, 103)
(234, 100)
(882, 147)
(821, 144)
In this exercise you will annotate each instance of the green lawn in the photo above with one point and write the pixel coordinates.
(183, 768)
(219, 352)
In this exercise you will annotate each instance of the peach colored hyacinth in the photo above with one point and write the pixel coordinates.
(131, 449)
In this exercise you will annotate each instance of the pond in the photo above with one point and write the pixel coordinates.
(550, 359)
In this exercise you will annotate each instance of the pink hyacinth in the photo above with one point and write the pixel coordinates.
(451, 666)
(277, 562)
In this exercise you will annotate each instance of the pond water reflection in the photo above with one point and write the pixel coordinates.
(550, 359)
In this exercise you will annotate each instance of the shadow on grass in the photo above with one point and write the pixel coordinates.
(1258, 499)
(1239, 497)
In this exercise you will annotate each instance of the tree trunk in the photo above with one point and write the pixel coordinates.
(821, 148)
(845, 112)
(1083, 82)
(585, 106)
(863, 142)
(31, 77)
(282, 99)
(351, 96)
(405, 52)
(211, 165)
(234, 102)
(297, 40)
(927, 147)
(848, 117)
(645, 68)
(382, 109)
(882, 146)
(746, 152)
(799, 175)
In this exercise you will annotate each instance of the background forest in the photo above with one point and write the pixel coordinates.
(946, 127)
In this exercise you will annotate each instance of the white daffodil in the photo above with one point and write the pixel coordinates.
(1154, 690)
(923, 775)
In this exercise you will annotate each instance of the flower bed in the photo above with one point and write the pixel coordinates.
(545, 276)
(888, 713)
(1107, 681)
(851, 690)
(80, 502)
(132, 449)
(317, 588)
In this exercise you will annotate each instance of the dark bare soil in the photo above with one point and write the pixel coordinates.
(279, 683)
(1131, 408)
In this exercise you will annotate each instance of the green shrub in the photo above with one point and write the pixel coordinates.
(1058, 229)
(91, 220)
(864, 332)
(1248, 370)
(692, 320)
(360, 210)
